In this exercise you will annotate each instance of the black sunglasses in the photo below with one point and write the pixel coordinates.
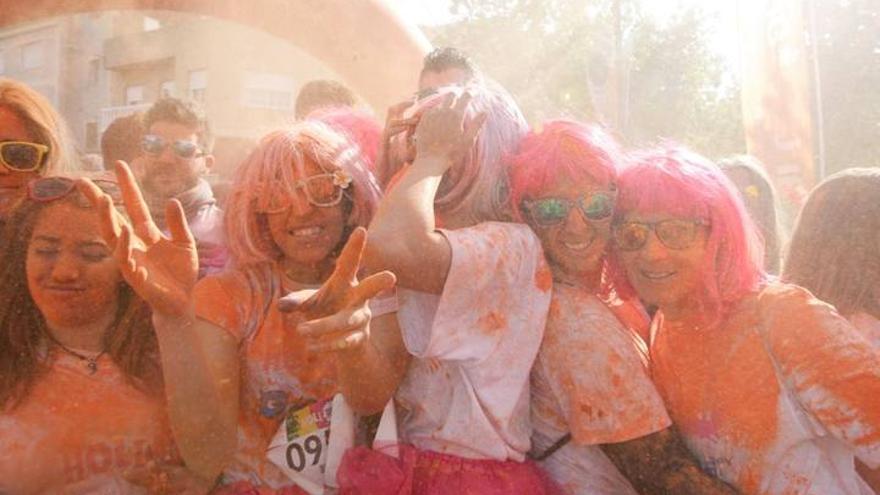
(155, 145)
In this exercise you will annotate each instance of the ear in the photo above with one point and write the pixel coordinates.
(209, 162)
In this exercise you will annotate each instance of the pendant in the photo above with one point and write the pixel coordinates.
(92, 366)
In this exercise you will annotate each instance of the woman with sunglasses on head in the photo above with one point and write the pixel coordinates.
(772, 390)
(295, 201)
(600, 426)
(34, 141)
(81, 388)
(473, 297)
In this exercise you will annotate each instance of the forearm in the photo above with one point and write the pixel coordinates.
(661, 464)
(204, 425)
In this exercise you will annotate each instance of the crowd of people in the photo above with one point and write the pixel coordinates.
(451, 303)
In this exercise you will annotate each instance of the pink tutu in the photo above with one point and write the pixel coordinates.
(369, 472)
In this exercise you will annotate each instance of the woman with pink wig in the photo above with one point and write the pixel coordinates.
(473, 298)
(600, 426)
(772, 390)
(294, 222)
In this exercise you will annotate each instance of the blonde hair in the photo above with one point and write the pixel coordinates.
(274, 167)
(44, 122)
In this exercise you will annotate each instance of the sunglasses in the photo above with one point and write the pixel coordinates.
(21, 156)
(155, 145)
(673, 233)
(322, 190)
(46, 189)
(547, 212)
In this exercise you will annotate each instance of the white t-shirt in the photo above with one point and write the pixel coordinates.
(467, 390)
(590, 379)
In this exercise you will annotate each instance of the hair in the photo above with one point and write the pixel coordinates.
(122, 140)
(321, 93)
(759, 197)
(43, 122)
(562, 148)
(131, 343)
(674, 180)
(275, 166)
(359, 126)
(835, 247)
(441, 59)
(481, 189)
(185, 112)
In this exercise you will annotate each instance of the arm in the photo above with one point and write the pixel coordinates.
(660, 463)
(403, 235)
(199, 362)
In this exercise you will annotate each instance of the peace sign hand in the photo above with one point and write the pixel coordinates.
(337, 315)
(161, 269)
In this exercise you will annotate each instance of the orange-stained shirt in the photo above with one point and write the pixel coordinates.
(590, 380)
(776, 399)
(466, 392)
(277, 370)
(75, 426)
(869, 326)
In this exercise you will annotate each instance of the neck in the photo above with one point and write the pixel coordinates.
(308, 274)
(88, 337)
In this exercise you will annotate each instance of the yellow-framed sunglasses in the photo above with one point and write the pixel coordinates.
(22, 156)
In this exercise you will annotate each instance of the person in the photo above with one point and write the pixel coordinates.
(122, 140)
(322, 93)
(834, 254)
(772, 389)
(295, 201)
(34, 141)
(81, 386)
(598, 419)
(473, 298)
(759, 197)
(446, 66)
(176, 153)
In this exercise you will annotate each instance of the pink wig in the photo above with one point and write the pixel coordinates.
(679, 182)
(563, 148)
(480, 186)
(362, 128)
(274, 167)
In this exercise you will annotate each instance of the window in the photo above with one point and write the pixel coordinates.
(198, 84)
(134, 95)
(167, 89)
(33, 55)
(266, 90)
(151, 23)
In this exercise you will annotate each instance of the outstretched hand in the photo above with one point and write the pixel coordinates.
(161, 269)
(337, 315)
(443, 131)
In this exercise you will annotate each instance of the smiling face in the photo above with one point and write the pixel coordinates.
(307, 234)
(575, 246)
(668, 278)
(71, 275)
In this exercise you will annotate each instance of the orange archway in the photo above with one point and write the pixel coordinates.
(377, 52)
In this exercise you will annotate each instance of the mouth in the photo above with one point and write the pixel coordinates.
(577, 246)
(64, 289)
(656, 274)
(306, 233)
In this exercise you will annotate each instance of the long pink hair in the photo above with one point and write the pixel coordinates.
(361, 127)
(676, 181)
(274, 167)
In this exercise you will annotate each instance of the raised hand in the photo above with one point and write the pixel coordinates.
(393, 151)
(161, 269)
(445, 132)
(336, 316)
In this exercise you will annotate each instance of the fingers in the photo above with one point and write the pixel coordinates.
(296, 301)
(135, 205)
(323, 332)
(461, 104)
(177, 224)
(472, 129)
(123, 252)
(349, 261)
(372, 286)
(396, 110)
(348, 341)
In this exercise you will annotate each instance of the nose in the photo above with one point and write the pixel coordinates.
(66, 268)
(575, 223)
(653, 248)
(299, 204)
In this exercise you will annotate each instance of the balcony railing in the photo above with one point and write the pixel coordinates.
(109, 114)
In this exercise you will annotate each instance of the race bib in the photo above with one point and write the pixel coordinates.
(304, 448)
(300, 446)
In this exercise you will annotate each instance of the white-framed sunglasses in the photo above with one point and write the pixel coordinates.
(322, 190)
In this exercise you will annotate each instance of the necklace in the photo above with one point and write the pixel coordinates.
(91, 361)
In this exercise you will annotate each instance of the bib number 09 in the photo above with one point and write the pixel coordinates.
(307, 451)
